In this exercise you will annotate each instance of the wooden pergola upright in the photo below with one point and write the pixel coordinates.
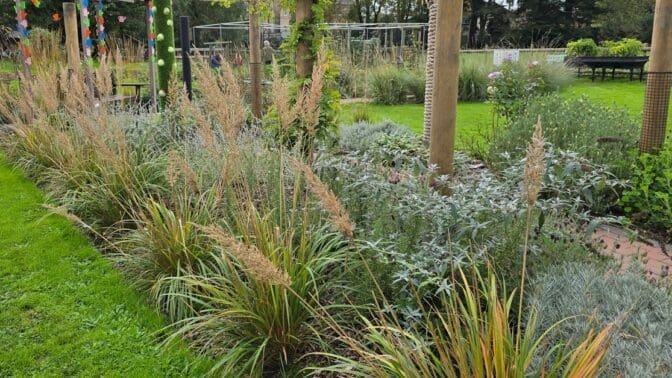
(659, 81)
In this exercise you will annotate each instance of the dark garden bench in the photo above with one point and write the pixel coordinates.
(628, 63)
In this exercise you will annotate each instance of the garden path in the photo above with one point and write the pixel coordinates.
(64, 309)
(613, 241)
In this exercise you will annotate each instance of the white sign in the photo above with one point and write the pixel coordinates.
(558, 58)
(500, 56)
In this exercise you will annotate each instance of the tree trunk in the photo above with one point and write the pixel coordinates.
(429, 70)
(446, 71)
(255, 62)
(304, 55)
(658, 81)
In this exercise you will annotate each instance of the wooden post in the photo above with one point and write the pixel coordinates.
(186, 58)
(71, 36)
(255, 62)
(400, 58)
(304, 57)
(446, 73)
(26, 58)
(658, 81)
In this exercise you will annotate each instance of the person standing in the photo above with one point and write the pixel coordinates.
(267, 53)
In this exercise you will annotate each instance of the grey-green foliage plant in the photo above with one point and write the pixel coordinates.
(573, 183)
(602, 134)
(418, 233)
(590, 296)
(359, 136)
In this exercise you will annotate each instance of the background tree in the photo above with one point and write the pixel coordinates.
(366, 11)
(489, 23)
(625, 18)
(554, 22)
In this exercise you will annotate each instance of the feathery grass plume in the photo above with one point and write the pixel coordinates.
(534, 166)
(338, 216)
(171, 169)
(259, 265)
(310, 98)
(178, 164)
(103, 78)
(203, 125)
(282, 99)
(221, 95)
(532, 179)
(118, 65)
(45, 93)
(175, 96)
(63, 212)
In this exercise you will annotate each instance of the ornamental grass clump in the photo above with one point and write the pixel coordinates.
(467, 334)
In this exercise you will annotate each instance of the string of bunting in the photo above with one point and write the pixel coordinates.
(151, 38)
(22, 29)
(86, 31)
(100, 27)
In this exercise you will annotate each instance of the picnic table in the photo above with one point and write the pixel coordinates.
(138, 87)
(630, 63)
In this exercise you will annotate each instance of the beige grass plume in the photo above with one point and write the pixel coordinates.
(534, 166)
(287, 112)
(338, 216)
(256, 263)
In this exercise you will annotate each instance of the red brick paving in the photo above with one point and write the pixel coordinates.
(612, 241)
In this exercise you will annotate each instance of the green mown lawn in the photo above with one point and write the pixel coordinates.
(474, 119)
(64, 309)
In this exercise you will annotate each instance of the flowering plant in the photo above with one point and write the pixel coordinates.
(511, 88)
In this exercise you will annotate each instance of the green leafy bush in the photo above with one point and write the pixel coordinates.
(588, 47)
(649, 200)
(390, 85)
(602, 134)
(582, 47)
(624, 47)
(583, 294)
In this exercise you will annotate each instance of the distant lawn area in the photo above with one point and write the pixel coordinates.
(475, 119)
(64, 309)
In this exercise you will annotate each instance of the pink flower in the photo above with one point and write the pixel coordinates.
(494, 75)
(121, 19)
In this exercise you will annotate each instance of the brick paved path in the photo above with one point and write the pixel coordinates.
(614, 242)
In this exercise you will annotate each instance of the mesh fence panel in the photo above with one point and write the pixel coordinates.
(655, 111)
